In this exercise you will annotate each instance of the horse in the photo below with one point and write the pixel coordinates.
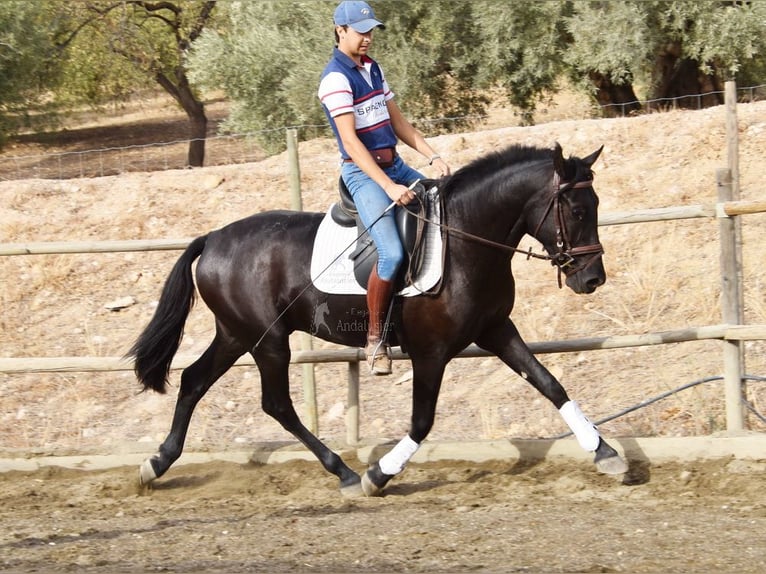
(254, 276)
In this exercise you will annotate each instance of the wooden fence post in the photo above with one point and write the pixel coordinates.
(732, 136)
(309, 381)
(352, 406)
(735, 296)
(731, 309)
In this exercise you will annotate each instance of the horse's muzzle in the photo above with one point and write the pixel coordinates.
(586, 277)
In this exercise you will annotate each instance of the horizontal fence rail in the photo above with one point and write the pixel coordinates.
(721, 209)
(355, 357)
(351, 355)
(115, 246)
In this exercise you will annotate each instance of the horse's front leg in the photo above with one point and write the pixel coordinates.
(506, 342)
(426, 382)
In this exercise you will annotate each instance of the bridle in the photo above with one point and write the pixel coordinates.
(564, 258)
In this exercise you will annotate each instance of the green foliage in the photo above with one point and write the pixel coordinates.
(268, 57)
(429, 60)
(93, 51)
(521, 46)
(122, 48)
(26, 60)
(725, 38)
(21, 47)
(98, 76)
(731, 39)
(441, 57)
(610, 38)
(626, 41)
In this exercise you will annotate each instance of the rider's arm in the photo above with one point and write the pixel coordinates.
(362, 157)
(406, 132)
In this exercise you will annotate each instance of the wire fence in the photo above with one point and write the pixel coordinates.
(244, 148)
(691, 101)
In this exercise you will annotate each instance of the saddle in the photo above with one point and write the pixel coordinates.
(410, 221)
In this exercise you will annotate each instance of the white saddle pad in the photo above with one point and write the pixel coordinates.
(332, 270)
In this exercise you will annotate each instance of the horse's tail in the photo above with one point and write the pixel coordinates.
(157, 345)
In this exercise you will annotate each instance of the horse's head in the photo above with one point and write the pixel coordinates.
(568, 225)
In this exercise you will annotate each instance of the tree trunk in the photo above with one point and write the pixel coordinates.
(195, 110)
(198, 135)
(680, 83)
(615, 99)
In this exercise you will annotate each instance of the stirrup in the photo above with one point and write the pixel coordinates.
(378, 358)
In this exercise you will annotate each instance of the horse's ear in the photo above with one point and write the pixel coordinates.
(591, 159)
(558, 160)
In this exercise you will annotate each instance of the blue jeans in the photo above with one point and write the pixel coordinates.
(371, 201)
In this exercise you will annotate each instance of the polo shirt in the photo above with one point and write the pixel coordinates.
(346, 88)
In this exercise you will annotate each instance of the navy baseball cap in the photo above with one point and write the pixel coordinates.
(358, 15)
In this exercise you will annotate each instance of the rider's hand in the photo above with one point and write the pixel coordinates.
(441, 166)
(400, 194)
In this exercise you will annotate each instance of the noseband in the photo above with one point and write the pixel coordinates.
(564, 258)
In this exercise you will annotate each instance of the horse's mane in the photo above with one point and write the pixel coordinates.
(494, 162)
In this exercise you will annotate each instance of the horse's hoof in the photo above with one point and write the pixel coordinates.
(146, 474)
(369, 488)
(612, 465)
(374, 480)
(352, 489)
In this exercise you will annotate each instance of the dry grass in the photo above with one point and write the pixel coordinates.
(661, 276)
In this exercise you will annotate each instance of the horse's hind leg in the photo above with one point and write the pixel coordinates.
(273, 364)
(508, 345)
(196, 380)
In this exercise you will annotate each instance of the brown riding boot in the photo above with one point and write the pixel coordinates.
(378, 352)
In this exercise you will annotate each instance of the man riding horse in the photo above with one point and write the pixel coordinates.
(367, 123)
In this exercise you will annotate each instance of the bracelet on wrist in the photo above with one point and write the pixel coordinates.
(433, 158)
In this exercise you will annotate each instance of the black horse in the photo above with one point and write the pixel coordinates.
(254, 276)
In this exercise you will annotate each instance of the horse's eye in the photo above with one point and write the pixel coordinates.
(578, 213)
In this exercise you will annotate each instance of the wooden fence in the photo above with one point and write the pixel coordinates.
(732, 332)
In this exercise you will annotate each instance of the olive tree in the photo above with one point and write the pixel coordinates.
(27, 54)
(153, 37)
(268, 57)
(679, 52)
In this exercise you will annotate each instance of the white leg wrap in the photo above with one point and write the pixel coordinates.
(393, 462)
(585, 431)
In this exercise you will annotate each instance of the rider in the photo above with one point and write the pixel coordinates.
(367, 122)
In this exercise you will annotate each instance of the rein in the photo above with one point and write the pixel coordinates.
(564, 258)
